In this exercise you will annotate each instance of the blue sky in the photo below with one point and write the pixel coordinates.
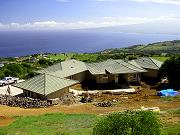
(75, 14)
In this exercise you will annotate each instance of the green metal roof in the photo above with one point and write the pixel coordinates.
(158, 63)
(148, 63)
(133, 62)
(131, 66)
(65, 68)
(99, 67)
(53, 68)
(72, 67)
(45, 84)
(113, 67)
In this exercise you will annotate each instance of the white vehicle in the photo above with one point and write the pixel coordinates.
(8, 80)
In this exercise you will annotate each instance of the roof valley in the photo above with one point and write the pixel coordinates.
(128, 67)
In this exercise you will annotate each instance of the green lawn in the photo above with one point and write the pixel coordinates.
(65, 124)
(171, 129)
(169, 98)
(51, 124)
(86, 57)
(81, 57)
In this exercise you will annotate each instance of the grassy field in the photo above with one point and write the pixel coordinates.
(60, 56)
(168, 98)
(171, 129)
(51, 124)
(163, 46)
(81, 57)
(161, 58)
(171, 125)
(170, 47)
(69, 124)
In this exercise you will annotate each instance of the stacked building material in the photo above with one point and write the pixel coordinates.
(23, 102)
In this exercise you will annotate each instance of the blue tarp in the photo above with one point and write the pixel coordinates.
(168, 92)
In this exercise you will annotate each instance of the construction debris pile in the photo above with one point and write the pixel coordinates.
(108, 99)
(86, 98)
(68, 99)
(23, 102)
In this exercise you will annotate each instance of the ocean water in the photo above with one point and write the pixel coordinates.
(23, 43)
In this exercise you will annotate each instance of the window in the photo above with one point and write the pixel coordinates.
(71, 77)
(134, 76)
(105, 76)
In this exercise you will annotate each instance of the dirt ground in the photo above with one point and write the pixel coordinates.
(132, 101)
(88, 108)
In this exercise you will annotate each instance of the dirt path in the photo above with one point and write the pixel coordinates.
(86, 108)
(5, 121)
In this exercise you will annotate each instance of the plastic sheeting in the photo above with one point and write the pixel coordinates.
(168, 92)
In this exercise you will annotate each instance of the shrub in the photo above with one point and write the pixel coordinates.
(171, 70)
(129, 123)
(45, 62)
(3, 133)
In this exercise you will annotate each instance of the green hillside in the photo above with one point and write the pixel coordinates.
(170, 47)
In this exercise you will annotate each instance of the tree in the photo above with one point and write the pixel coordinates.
(45, 62)
(16, 70)
(31, 74)
(129, 123)
(171, 70)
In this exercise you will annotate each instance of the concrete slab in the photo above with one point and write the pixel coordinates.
(14, 91)
(77, 92)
